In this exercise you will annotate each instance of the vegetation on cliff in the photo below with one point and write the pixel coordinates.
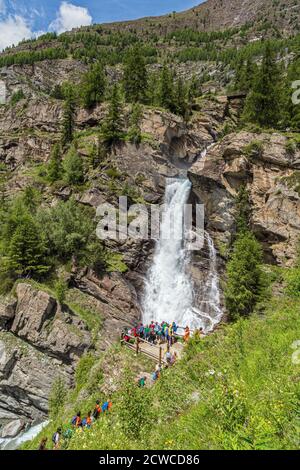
(235, 389)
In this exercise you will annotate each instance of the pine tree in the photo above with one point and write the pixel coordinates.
(243, 210)
(73, 167)
(97, 155)
(166, 89)
(244, 276)
(55, 164)
(27, 250)
(291, 111)
(92, 87)
(134, 132)
(245, 279)
(194, 89)
(180, 99)
(135, 76)
(112, 127)
(263, 104)
(245, 75)
(68, 121)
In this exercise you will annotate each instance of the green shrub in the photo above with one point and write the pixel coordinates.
(16, 97)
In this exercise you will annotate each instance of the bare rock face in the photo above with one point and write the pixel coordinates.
(26, 378)
(263, 163)
(44, 342)
(40, 320)
(117, 299)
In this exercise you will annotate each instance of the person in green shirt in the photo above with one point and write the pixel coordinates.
(142, 382)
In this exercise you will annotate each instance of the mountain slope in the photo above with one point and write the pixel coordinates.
(215, 15)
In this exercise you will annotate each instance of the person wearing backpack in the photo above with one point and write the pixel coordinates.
(78, 422)
(89, 419)
(97, 410)
(56, 438)
(105, 406)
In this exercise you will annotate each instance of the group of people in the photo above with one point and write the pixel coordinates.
(156, 333)
(170, 358)
(77, 422)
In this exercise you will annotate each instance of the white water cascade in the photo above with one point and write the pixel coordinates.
(169, 291)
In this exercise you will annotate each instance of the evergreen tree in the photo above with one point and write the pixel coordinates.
(68, 115)
(112, 127)
(166, 89)
(97, 155)
(31, 198)
(263, 104)
(245, 280)
(180, 99)
(92, 87)
(134, 132)
(194, 89)
(244, 276)
(55, 164)
(73, 167)
(243, 210)
(27, 250)
(245, 75)
(135, 76)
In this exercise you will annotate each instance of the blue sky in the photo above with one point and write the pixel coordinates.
(21, 19)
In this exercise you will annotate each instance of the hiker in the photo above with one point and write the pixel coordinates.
(175, 327)
(166, 333)
(105, 406)
(97, 410)
(142, 382)
(147, 332)
(109, 405)
(170, 335)
(187, 333)
(154, 376)
(43, 444)
(168, 356)
(152, 337)
(141, 331)
(56, 438)
(134, 332)
(77, 421)
(88, 421)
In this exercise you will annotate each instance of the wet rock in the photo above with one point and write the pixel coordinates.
(12, 429)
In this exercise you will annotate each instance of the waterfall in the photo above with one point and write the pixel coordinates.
(169, 292)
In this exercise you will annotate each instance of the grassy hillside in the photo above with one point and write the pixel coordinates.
(236, 389)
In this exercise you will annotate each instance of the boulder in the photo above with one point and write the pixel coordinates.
(12, 429)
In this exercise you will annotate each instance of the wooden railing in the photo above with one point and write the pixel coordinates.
(153, 351)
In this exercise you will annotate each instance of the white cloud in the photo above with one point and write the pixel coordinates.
(13, 30)
(70, 16)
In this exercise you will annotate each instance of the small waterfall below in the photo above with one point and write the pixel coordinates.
(169, 290)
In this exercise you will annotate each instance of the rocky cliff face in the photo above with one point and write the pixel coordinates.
(264, 163)
(40, 339)
(39, 342)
